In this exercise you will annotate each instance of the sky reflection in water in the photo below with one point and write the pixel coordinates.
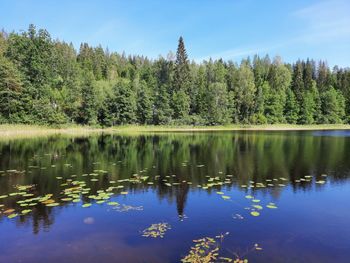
(311, 223)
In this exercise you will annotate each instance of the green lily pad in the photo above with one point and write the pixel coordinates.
(254, 213)
(271, 206)
(12, 216)
(26, 211)
(67, 199)
(53, 204)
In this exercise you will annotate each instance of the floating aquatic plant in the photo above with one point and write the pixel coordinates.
(254, 213)
(271, 206)
(320, 182)
(206, 250)
(156, 230)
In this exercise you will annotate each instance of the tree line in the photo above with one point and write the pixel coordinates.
(47, 81)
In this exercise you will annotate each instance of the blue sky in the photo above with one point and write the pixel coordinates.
(230, 29)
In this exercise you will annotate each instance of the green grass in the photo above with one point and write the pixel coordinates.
(9, 131)
(269, 127)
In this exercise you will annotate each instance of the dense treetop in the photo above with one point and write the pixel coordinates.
(47, 81)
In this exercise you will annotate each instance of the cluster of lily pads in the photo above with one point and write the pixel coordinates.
(205, 250)
(156, 230)
(74, 191)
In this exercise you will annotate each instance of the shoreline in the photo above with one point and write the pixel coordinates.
(9, 131)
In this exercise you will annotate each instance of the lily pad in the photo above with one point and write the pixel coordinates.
(320, 182)
(254, 213)
(12, 216)
(53, 204)
(26, 211)
(271, 206)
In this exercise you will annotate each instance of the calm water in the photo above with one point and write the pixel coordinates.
(174, 179)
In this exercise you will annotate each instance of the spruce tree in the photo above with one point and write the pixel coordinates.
(297, 80)
(291, 110)
(181, 83)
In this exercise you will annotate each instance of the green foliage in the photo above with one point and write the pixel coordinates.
(47, 81)
(216, 104)
(181, 84)
(89, 106)
(180, 104)
(333, 105)
(307, 109)
(163, 112)
(182, 70)
(10, 88)
(291, 110)
(244, 92)
(123, 103)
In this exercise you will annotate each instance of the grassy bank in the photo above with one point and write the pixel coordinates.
(22, 131)
(271, 127)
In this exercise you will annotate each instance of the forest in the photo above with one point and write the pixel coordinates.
(47, 81)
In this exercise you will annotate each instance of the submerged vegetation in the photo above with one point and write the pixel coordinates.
(46, 81)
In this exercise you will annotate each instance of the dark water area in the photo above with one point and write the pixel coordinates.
(282, 196)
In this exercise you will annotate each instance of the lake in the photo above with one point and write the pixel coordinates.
(262, 196)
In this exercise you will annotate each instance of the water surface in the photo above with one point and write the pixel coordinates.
(179, 179)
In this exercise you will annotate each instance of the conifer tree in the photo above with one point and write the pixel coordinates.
(181, 84)
(291, 110)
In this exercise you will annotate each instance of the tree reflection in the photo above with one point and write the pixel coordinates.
(179, 158)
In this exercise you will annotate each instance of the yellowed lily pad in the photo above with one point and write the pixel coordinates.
(254, 213)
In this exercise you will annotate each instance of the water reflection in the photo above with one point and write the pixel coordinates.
(184, 160)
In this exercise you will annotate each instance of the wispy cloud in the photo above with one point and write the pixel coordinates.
(320, 23)
(242, 52)
(324, 21)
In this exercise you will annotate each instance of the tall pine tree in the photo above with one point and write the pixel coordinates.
(181, 84)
